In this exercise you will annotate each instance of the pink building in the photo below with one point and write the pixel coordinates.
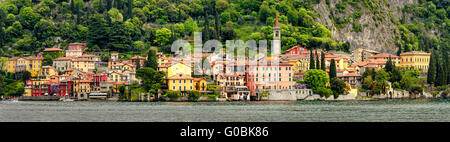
(269, 77)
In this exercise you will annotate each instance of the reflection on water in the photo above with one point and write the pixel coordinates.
(385, 110)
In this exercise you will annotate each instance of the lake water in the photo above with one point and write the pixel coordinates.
(300, 111)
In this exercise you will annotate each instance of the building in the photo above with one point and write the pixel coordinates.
(268, 76)
(62, 63)
(75, 49)
(179, 68)
(360, 54)
(83, 64)
(138, 59)
(180, 82)
(299, 63)
(351, 78)
(418, 60)
(48, 71)
(81, 88)
(341, 61)
(297, 50)
(114, 60)
(163, 63)
(384, 57)
(28, 88)
(200, 84)
(30, 64)
(230, 80)
(276, 42)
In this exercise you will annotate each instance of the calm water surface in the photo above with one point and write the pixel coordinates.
(385, 110)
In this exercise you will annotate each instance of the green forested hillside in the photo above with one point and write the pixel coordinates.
(28, 26)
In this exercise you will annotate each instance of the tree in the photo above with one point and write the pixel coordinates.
(333, 72)
(431, 76)
(115, 15)
(120, 37)
(441, 78)
(162, 36)
(98, 31)
(367, 83)
(311, 60)
(316, 78)
(324, 92)
(396, 75)
(152, 60)
(317, 61)
(389, 66)
(337, 86)
(28, 17)
(381, 84)
(151, 79)
(190, 26)
(130, 9)
(44, 29)
(322, 62)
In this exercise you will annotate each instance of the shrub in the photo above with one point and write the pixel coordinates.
(173, 94)
(193, 95)
(324, 92)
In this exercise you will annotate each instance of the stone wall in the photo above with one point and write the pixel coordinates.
(301, 94)
(286, 95)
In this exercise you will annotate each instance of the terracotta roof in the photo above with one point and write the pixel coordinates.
(52, 49)
(88, 55)
(415, 53)
(63, 58)
(114, 53)
(382, 55)
(276, 21)
(13, 58)
(138, 57)
(198, 79)
(180, 76)
(33, 58)
(351, 74)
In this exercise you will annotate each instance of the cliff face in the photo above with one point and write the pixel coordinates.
(365, 24)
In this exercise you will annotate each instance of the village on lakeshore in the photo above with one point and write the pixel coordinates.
(303, 73)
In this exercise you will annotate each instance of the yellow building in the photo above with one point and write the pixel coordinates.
(341, 62)
(30, 64)
(180, 82)
(200, 84)
(299, 63)
(82, 88)
(179, 68)
(82, 64)
(415, 60)
(48, 71)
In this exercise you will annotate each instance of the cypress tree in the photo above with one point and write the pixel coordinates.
(447, 66)
(332, 69)
(101, 8)
(108, 5)
(130, 9)
(441, 78)
(317, 61)
(388, 66)
(322, 62)
(399, 51)
(431, 76)
(311, 60)
(152, 60)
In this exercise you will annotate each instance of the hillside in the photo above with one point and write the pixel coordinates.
(29, 26)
